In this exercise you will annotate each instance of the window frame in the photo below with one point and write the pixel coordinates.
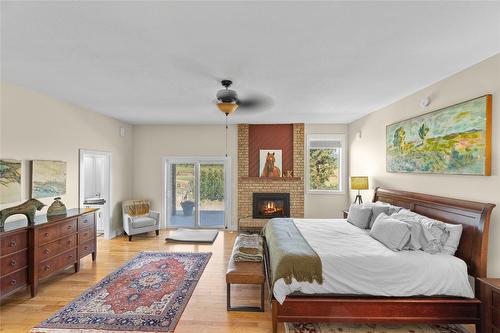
(342, 164)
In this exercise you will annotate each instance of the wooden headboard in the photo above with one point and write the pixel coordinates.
(474, 216)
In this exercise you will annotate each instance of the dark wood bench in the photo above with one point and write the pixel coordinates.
(245, 273)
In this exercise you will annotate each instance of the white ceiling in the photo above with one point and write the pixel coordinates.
(159, 62)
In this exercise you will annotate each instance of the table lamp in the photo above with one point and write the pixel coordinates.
(359, 183)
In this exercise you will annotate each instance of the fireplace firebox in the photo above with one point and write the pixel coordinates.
(269, 205)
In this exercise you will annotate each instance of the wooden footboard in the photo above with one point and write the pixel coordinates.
(376, 310)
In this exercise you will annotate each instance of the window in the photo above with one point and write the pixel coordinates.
(325, 163)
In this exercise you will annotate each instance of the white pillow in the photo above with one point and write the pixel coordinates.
(394, 234)
(455, 232)
(427, 234)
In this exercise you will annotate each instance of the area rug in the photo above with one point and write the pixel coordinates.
(192, 236)
(147, 294)
(371, 328)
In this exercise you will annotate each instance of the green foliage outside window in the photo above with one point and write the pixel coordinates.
(212, 183)
(324, 169)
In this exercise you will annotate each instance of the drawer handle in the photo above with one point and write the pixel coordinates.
(13, 243)
(86, 247)
(85, 234)
(13, 262)
(70, 257)
(68, 242)
(85, 221)
(46, 234)
(13, 282)
(70, 226)
(46, 267)
(46, 251)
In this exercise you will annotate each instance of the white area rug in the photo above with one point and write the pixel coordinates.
(371, 328)
(192, 236)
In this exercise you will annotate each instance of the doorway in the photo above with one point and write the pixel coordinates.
(197, 192)
(95, 187)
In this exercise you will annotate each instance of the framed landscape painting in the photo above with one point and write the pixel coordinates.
(10, 181)
(452, 140)
(48, 179)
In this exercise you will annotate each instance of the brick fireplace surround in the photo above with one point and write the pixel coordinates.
(248, 185)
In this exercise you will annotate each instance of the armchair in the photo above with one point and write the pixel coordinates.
(138, 218)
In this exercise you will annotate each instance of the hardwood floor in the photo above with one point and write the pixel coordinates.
(205, 312)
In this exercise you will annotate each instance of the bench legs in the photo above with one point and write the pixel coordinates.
(245, 308)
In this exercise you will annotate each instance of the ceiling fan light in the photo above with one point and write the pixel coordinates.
(227, 108)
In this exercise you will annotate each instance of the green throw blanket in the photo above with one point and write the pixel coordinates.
(290, 255)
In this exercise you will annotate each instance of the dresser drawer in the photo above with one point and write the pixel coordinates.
(50, 233)
(495, 318)
(50, 266)
(52, 249)
(86, 221)
(13, 281)
(14, 242)
(85, 235)
(495, 299)
(14, 262)
(67, 228)
(86, 248)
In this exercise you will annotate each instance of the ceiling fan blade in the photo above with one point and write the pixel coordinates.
(255, 102)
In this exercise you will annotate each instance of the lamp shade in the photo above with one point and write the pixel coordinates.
(359, 183)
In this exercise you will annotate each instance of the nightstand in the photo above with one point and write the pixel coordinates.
(346, 212)
(490, 298)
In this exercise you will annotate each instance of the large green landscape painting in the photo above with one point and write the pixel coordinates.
(453, 140)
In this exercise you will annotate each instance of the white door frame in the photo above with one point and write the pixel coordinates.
(195, 159)
(108, 155)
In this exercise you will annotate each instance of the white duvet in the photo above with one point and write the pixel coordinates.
(354, 263)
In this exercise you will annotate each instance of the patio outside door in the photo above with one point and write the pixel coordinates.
(196, 191)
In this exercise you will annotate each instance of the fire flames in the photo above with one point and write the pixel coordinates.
(270, 208)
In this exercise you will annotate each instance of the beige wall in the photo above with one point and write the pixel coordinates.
(35, 126)
(325, 205)
(153, 142)
(367, 154)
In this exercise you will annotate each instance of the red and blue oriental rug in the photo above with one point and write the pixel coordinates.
(147, 294)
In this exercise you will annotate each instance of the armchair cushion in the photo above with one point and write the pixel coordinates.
(142, 221)
(135, 207)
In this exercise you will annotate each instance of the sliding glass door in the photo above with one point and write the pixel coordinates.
(196, 192)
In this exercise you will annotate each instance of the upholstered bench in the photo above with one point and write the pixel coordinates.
(245, 273)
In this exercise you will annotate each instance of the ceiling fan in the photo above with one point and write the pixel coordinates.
(228, 100)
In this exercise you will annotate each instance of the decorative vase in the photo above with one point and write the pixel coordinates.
(57, 208)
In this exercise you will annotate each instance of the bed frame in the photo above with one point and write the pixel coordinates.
(473, 249)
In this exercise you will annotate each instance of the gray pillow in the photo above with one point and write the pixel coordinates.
(451, 244)
(381, 207)
(394, 234)
(376, 211)
(359, 216)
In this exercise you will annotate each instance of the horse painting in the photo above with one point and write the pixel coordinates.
(270, 170)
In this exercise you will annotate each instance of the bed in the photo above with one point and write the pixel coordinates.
(347, 306)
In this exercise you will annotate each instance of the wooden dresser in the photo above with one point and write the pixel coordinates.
(490, 298)
(31, 253)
